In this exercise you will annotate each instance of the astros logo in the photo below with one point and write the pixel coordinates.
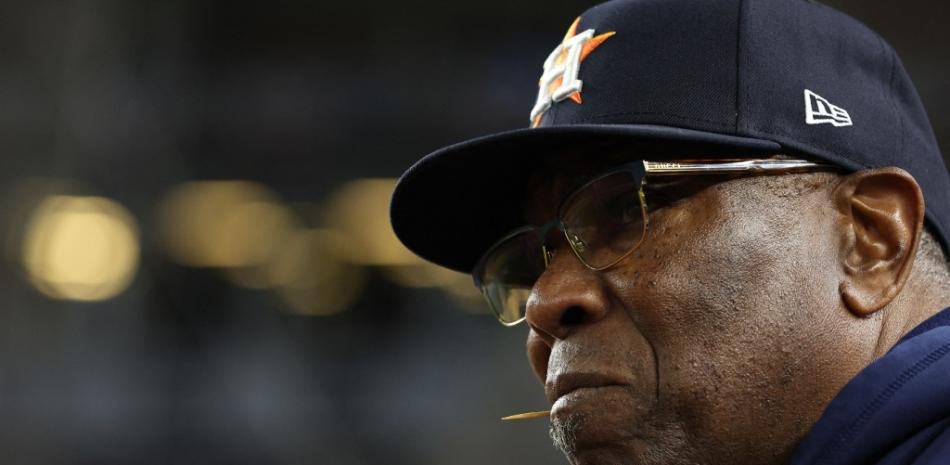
(559, 80)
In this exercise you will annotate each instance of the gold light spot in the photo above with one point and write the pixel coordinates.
(458, 286)
(360, 210)
(228, 224)
(80, 248)
(311, 276)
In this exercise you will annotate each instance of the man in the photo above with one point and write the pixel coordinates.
(726, 231)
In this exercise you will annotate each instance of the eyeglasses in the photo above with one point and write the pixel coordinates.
(603, 222)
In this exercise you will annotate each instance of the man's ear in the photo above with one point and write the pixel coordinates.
(882, 215)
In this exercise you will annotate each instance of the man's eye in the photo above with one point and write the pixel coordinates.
(625, 208)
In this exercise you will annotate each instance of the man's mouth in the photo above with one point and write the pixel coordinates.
(587, 409)
(566, 386)
(583, 399)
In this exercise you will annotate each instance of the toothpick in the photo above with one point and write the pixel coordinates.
(527, 416)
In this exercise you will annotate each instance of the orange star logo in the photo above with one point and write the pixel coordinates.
(559, 80)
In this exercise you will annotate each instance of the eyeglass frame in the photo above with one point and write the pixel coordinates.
(777, 163)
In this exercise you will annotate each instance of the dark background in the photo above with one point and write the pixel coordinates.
(344, 357)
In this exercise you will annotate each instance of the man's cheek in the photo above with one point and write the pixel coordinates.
(538, 353)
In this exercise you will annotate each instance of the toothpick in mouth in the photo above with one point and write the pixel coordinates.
(528, 416)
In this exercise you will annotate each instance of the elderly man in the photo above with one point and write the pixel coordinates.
(726, 231)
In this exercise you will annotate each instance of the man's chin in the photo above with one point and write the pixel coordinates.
(626, 454)
(603, 454)
(602, 457)
(588, 441)
(585, 442)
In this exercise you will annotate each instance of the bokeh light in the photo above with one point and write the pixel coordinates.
(458, 286)
(80, 248)
(311, 276)
(244, 229)
(360, 210)
(228, 224)
(422, 275)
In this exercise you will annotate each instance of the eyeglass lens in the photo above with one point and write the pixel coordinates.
(508, 273)
(603, 221)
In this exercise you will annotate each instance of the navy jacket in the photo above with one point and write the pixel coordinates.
(895, 411)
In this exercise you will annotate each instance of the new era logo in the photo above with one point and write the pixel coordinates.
(819, 110)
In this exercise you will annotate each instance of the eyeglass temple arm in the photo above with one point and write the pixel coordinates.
(738, 166)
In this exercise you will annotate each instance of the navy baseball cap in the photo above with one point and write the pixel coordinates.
(683, 77)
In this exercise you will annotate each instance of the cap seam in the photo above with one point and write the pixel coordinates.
(887, 93)
(891, 93)
(738, 64)
(594, 119)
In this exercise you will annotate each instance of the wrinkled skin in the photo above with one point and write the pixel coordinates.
(721, 339)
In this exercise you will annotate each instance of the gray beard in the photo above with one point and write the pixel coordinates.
(669, 446)
(564, 433)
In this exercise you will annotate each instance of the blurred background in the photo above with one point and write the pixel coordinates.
(193, 214)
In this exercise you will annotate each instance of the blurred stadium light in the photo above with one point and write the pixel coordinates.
(310, 275)
(80, 248)
(243, 228)
(233, 224)
(360, 210)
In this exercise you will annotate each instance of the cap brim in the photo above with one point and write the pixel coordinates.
(453, 204)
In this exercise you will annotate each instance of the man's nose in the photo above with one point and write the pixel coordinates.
(568, 295)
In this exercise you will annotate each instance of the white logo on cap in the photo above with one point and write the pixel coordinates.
(818, 110)
(559, 81)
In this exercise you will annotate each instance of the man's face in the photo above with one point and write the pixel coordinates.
(720, 340)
